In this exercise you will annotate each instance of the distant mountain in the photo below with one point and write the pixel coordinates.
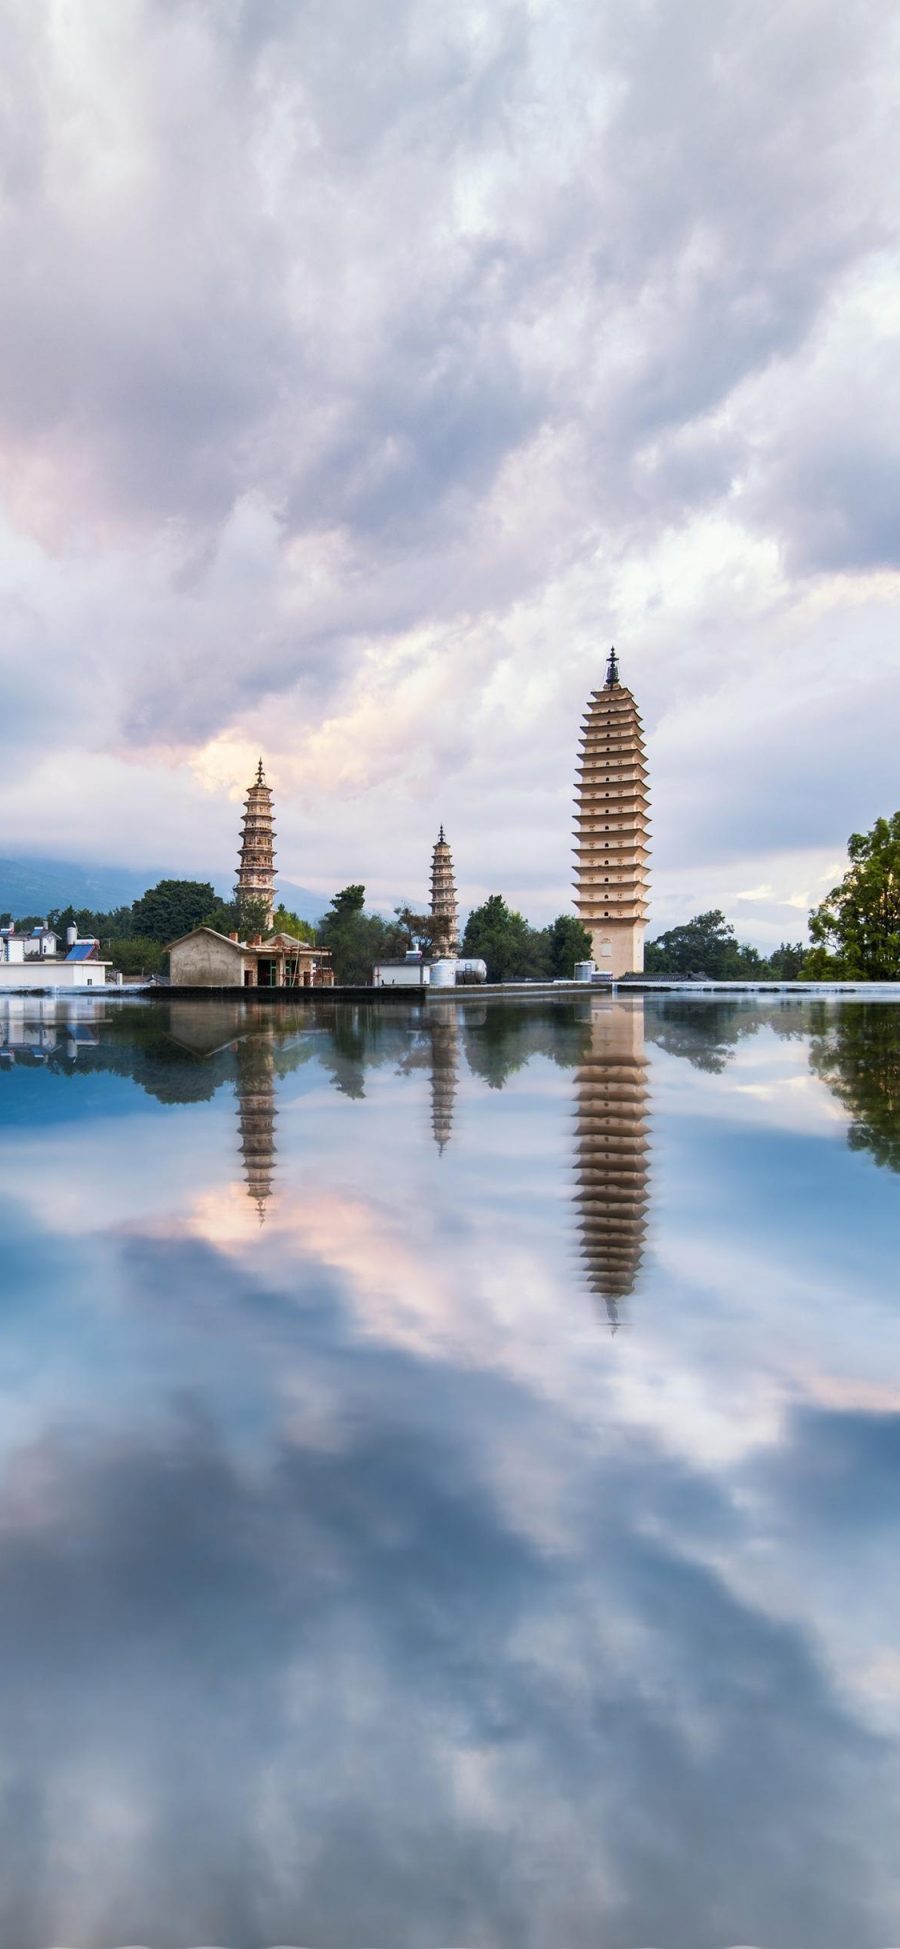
(302, 901)
(33, 886)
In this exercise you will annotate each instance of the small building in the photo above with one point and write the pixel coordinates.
(81, 967)
(204, 958)
(411, 973)
(41, 942)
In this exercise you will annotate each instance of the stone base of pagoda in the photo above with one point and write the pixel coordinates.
(617, 946)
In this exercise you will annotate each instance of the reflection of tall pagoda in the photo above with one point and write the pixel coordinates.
(612, 828)
(255, 1056)
(444, 909)
(611, 1153)
(442, 1029)
(256, 869)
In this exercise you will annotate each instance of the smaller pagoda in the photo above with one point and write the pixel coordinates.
(444, 906)
(256, 867)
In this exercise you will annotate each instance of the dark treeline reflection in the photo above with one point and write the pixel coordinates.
(184, 1052)
(857, 1053)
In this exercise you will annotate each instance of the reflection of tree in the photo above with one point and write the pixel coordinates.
(138, 1042)
(705, 1032)
(505, 1036)
(855, 1050)
(255, 1086)
(611, 1152)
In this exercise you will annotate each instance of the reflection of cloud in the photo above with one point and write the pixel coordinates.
(338, 1695)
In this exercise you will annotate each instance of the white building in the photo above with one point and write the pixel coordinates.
(80, 967)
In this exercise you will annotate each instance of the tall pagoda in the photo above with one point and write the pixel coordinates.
(444, 908)
(612, 827)
(256, 868)
(612, 1146)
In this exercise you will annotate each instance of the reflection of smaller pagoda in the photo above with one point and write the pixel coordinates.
(612, 1144)
(443, 1034)
(255, 1056)
(444, 909)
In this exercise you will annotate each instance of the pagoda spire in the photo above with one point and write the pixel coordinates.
(444, 909)
(256, 866)
(612, 669)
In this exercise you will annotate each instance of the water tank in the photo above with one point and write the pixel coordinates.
(71, 936)
(443, 973)
(471, 971)
(584, 970)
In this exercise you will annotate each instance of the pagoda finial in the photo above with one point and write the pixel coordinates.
(259, 773)
(441, 840)
(612, 670)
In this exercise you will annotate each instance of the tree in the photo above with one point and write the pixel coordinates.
(567, 942)
(252, 910)
(502, 938)
(134, 954)
(172, 908)
(859, 920)
(705, 945)
(356, 939)
(419, 930)
(786, 961)
(284, 922)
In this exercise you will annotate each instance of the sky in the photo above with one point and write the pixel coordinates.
(370, 368)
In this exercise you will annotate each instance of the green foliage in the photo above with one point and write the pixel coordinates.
(172, 908)
(252, 911)
(706, 945)
(116, 924)
(284, 922)
(786, 961)
(567, 942)
(858, 923)
(502, 938)
(135, 955)
(418, 930)
(819, 965)
(224, 917)
(357, 939)
(351, 900)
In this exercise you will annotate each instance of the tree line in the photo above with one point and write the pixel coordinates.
(855, 932)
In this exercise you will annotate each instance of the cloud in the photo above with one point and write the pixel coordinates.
(364, 378)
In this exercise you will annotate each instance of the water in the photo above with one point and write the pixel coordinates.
(449, 1472)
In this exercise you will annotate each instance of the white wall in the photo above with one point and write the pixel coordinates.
(52, 974)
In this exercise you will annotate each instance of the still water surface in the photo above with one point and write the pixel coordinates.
(449, 1470)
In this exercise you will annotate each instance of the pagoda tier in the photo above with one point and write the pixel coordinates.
(444, 907)
(612, 828)
(612, 1154)
(443, 1032)
(256, 867)
(257, 1117)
